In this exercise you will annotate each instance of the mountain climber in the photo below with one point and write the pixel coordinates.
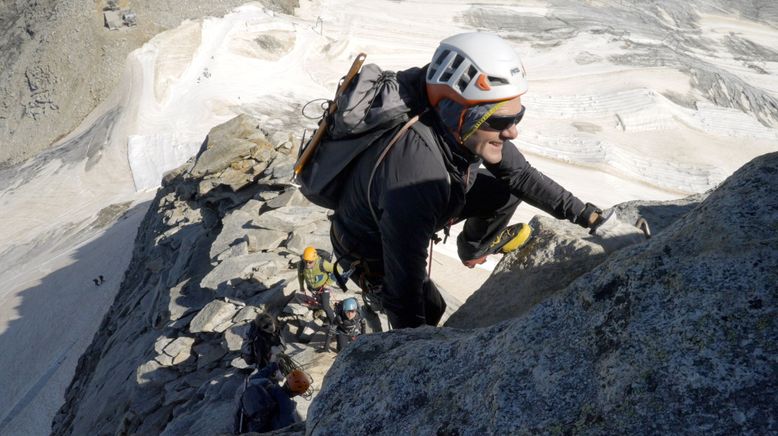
(266, 406)
(316, 272)
(469, 102)
(263, 341)
(347, 326)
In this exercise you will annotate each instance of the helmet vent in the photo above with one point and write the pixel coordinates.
(497, 81)
(457, 61)
(442, 57)
(445, 76)
(462, 84)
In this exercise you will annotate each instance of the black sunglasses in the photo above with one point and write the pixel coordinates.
(500, 123)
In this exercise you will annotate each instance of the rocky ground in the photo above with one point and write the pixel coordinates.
(60, 61)
(219, 245)
(672, 334)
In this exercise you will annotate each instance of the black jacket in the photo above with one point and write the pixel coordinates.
(414, 196)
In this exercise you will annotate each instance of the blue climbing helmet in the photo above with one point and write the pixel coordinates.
(350, 304)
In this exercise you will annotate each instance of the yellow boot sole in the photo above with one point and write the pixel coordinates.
(518, 241)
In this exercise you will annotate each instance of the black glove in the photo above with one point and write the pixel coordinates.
(584, 218)
(601, 219)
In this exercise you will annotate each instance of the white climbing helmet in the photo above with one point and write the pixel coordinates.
(473, 68)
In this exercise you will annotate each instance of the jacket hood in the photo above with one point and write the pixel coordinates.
(413, 91)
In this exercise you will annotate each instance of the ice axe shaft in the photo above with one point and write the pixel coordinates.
(333, 106)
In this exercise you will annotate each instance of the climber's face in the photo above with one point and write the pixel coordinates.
(350, 314)
(487, 141)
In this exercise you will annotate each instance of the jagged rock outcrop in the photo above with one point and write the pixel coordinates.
(558, 253)
(215, 249)
(674, 335)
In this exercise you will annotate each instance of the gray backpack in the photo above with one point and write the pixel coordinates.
(372, 105)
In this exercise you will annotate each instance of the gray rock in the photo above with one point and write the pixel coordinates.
(252, 207)
(239, 267)
(239, 249)
(234, 336)
(113, 20)
(281, 170)
(180, 349)
(296, 309)
(211, 413)
(129, 18)
(267, 239)
(177, 392)
(668, 336)
(153, 373)
(239, 363)
(205, 186)
(296, 243)
(161, 343)
(182, 322)
(283, 140)
(182, 214)
(248, 313)
(186, 299)
(164, 360)
(229, 142)
(252, 243)
(236, 179)
(211, 316)
(290, 197)
(558, 253)
(264, 273)
(268, 195)
(310, 330)
(208, 353)
(234, 230)
(186, 247)
(273, 299)
(288, 219)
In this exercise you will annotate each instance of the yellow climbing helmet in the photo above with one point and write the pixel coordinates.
(309, 254)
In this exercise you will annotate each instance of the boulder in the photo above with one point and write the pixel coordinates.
(239, 267)
(675, 335)
(213, 315)
(210, 411)
(290, 197)
(237, 138)
(234, 229)
(290, 218)
(180, 349)
(234, 336)
(113, 20)
(558, 253)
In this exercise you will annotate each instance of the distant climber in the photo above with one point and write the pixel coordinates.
(315, 273)
(101, 278)
(265, 405)
(348, 324)
(98, 280)
(468, 100)
(263, 341)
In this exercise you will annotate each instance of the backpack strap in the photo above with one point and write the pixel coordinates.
(426, 136)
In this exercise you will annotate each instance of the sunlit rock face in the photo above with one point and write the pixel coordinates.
(672, 335)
